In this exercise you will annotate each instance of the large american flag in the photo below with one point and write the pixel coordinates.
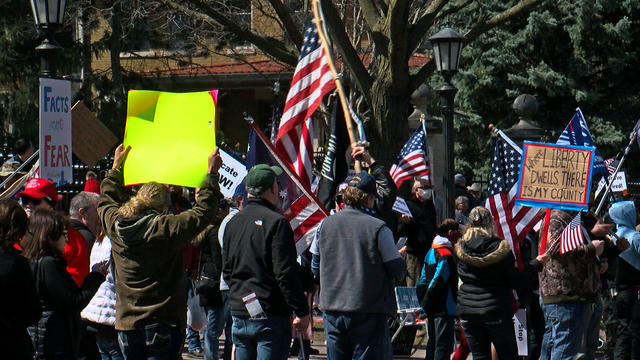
(295, 199)
(413, 159)
(577, 133)
(573, 235)
(512, 221)
(312, 80)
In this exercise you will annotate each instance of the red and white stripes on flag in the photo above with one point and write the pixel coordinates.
(312, 80)
(573, 235)
(412, 160)
(513, 222)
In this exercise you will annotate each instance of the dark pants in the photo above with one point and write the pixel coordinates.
(628, 313)
(266, 339)
(357, 336)
(154, 342)
(440, 333)
(482, 331)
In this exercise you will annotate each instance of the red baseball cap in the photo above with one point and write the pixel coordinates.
(92, 185)
(37, 188)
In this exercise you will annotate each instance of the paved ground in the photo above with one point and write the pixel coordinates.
(318, 343)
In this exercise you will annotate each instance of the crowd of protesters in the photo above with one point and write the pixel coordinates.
(111, 279)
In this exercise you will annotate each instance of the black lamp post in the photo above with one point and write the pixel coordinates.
(48, 16)
(446, 47)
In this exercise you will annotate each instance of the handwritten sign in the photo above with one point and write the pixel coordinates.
(55, 130)
(231, 174)
(619, 183)
(555, 176)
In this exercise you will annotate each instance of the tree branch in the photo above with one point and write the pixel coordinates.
(481, 27)
(211, 16)
(454, 9)
(346, 50)
(419, 29)
(287, 22)
(397, 19)
(371, 12)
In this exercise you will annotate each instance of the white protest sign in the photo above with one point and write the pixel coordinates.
(401, 206)
(232, 173)
(619, 184)
(520, 326)
(55, 130)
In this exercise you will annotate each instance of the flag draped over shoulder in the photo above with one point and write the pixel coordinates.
(413, 159)
(573, 236)
(577, 133)
(513, 222)
(300, 207)
(312, 80)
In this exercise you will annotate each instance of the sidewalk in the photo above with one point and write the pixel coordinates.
(318, 343)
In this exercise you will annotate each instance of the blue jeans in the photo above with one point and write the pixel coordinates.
(357, 336)
(565, 324)
(154, 342)
(440, 335)
(193, 337)
(482, 331)
(218, 318)
(107, 341)
(261, 339)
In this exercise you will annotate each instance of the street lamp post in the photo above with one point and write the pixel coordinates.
(446, 47)
(48, 16)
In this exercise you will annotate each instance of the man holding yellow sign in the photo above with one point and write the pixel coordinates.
(147, 255)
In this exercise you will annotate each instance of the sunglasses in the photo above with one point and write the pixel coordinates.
(28, 200)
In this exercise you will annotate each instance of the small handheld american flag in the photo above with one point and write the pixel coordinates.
(412, 160)
(573, 235)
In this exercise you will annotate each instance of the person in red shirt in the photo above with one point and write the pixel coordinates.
(42, 194)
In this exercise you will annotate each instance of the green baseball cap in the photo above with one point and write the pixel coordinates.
(261, 177)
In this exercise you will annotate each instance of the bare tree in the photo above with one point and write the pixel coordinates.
(373, 39)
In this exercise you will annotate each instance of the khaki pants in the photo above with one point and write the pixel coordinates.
(414, 268)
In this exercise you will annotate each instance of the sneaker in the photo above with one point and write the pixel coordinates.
(197, 353)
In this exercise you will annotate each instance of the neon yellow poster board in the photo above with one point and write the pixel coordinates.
(171, 136)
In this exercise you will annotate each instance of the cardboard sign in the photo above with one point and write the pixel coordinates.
(232, 173)
(171, 136)
(92, 140)
(520, 326)
(400, 206)
(55, 130)
(555, 176)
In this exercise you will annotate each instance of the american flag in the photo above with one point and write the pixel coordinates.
(312, 80)
(413, 159)
(513, 222)
(573, 235)
(611, 165)
(577, 133)
(298, 204)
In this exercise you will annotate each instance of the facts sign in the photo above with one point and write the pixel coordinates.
(555, 176)
(55, 130)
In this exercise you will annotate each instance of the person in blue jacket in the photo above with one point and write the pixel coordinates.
(437, 289)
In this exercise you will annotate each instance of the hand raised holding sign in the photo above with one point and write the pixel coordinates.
(119, 155)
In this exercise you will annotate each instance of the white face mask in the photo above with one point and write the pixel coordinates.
(426, 194)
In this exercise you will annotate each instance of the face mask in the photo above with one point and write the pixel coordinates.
(426, 194)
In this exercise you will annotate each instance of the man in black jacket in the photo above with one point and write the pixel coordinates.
(420, 228)
(259, 264)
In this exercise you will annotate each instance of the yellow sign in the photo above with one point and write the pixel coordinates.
(171, 136)
(555, 176)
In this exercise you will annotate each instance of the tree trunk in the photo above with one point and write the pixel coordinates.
(115, 47)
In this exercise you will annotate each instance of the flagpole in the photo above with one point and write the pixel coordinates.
(319, 18)
(632, 139)
(285, 168)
